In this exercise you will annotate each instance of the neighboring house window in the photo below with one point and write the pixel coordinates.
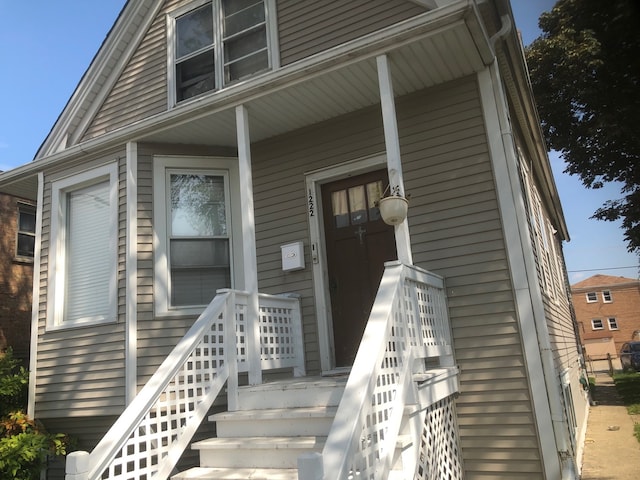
(592, 297)
(84, 234)
(606, 296)
(26, 236)
(213, 44)
(596, 324)
(613, 323)
(193, 223)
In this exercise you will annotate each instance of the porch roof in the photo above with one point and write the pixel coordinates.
(438, 46)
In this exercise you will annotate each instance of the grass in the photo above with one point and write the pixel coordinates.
(628, 387)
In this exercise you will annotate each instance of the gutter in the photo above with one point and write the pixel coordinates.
(550, 376)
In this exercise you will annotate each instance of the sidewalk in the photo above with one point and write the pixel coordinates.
(611, 452)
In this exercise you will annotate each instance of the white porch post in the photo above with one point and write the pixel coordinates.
(131, 355)
(394, 163)
(249, 244)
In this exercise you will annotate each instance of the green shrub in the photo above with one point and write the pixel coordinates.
(24, 444)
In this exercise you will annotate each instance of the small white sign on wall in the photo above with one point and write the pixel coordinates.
(292, 256)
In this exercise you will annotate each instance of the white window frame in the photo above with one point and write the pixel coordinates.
(225, 166)
(272, 46)
(592, 297)
(612, 323)
(594, 324)
(58, 254)
(607, 297)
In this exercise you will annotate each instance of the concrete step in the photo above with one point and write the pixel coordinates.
(302, 421)
(256, 452)
(202, 473)
(296, 392)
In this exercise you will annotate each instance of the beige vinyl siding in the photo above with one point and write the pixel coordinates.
(306, 27)
(280, 201)
(80, 371)
(456, 231)
(141, 90)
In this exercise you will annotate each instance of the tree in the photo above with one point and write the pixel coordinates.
(585, 74)
(24, 443)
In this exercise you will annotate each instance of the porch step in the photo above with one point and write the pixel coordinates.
(293, 393)
(202, 473)
(257, 452)
(275, 421)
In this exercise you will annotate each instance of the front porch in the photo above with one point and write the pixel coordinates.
(395, 414)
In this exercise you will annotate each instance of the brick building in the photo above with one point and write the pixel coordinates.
(17, 242)
(608, 313)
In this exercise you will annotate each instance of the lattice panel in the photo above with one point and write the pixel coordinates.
(373, 439)
(141, 456)
(277, 333)
(431, 312)
(439, 456)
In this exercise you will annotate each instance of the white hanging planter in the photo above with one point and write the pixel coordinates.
(393, 209)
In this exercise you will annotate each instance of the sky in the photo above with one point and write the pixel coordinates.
(45, 51)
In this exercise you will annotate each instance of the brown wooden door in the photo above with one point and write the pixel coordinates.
(358, 244)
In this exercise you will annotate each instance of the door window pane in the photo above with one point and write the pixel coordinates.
(374, 193)
(340, 208)
(358, 205)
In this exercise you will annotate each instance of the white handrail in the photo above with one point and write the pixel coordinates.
(408, 321)
(153, 431)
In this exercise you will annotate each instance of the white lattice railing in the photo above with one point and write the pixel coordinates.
(408, 330)
(149, 437)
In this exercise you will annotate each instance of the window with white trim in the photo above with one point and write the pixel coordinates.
(215, 43)
(596, 324)
(26, 234)
(613, 323)
(592, 297)
(606, 296)
(84, 238)
(192, 218)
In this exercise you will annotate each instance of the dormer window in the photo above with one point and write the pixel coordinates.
(213, 44)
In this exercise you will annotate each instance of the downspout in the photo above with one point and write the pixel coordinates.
(560, 429)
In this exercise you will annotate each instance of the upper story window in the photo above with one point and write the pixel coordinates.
(606, 296)
(596, 324)
(215, 43)
(26, 234)
(592, 297)
(613, 323)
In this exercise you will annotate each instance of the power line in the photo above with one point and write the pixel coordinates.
(599, 269)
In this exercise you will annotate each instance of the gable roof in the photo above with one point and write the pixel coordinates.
(103, 72)
(603, 281)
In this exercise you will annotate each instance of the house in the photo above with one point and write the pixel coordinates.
(210, 239)
(17, 241)
(607, 311)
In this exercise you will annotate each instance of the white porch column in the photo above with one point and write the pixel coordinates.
(394, 163)
(249, 244)
(131, 329)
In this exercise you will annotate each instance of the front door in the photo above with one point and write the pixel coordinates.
(358, 243)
